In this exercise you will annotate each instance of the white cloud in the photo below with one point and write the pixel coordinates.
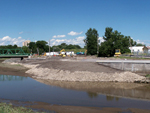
(19, 37)
(59, 36)
(2, 43)
(138, 41)
(101, 39)
(11, 41)
(21, 32)
(6, 38)
(72, 33)
(76, 41)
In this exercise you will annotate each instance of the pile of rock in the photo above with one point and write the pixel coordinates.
(65, 75)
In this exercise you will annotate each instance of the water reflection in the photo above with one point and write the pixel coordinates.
(111, 98)
(11, 78)
(92, 95)
(129, 90)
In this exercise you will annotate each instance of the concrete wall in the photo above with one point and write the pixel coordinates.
(134, 67)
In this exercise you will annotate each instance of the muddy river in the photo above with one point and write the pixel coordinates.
(119, 95)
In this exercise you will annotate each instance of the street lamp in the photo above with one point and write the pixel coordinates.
(49, 48)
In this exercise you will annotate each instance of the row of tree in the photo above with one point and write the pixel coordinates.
(112, 40)
(42, 46)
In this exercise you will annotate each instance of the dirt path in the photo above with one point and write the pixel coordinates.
(72, 65)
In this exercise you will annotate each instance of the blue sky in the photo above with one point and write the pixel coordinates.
(68, 20)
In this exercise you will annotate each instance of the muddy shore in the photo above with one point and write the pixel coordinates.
(7, 69)
(50, 108)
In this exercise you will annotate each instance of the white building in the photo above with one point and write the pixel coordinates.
(148, 49)
(140, 49)
(52, 53)
(57, 53)
(69, 52)
(25, 43)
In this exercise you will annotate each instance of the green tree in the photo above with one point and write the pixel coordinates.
(26, 49)
(139, 44)
(91, 41)
(114, 40)
(42, 46)
(33, 47)
(62, 46)
(15, 46)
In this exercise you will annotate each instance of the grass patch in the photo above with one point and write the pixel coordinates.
(16, 65)
(8, 108)
(135, 58)
(148, 75)
(76, 50)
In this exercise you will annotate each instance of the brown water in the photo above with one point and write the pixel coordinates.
(77, 94)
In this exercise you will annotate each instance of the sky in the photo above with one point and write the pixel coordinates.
(67, 21)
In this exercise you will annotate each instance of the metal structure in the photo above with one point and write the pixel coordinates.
(13, 53)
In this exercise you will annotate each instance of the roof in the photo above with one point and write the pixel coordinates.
(148, 47)
(136, 47)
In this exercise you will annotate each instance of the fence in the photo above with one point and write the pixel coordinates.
(137, 54)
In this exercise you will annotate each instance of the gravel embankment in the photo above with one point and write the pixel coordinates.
(55, 74)
(77, 71)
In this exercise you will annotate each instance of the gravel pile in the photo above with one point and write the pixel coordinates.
(65, 75)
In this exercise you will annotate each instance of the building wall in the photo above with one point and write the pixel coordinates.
(25, 43)
(140, 49)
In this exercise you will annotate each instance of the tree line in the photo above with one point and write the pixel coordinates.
(40, 47)
(112, 40)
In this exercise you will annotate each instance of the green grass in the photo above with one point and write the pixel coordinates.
(76, 50)
(8, 108)
(148, 75)
(16, 64)
(124, 57)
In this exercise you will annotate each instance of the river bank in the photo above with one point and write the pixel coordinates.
(73, 70)
(17, 68)
(50, 108)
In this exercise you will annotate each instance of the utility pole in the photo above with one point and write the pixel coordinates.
(97, 46)
(49, 48)
(130, 44)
